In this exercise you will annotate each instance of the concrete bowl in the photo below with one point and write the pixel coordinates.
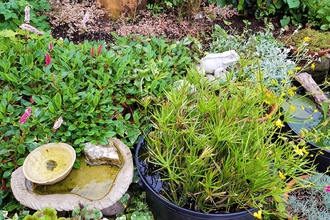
(49, 163)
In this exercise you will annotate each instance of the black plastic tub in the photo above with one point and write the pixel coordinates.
(322, 159)
(165, 210)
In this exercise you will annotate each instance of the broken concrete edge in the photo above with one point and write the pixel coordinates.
(67, 202)
(102, 155)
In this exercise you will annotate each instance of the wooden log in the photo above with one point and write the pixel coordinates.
(313, 89)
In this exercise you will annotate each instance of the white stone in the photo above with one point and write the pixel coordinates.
(102, 155)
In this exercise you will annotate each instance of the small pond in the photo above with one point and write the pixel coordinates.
(302, 112)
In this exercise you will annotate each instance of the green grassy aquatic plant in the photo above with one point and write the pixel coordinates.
(215, 156)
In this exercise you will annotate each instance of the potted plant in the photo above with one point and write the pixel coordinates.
(308, 197)
(209, 156)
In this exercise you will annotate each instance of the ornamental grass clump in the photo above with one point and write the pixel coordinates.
(214, 156)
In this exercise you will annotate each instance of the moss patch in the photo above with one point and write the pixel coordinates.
(318, 40)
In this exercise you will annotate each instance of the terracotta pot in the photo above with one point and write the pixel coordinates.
(290, 184)
(272, 110)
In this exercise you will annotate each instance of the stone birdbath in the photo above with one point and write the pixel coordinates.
(104, 177)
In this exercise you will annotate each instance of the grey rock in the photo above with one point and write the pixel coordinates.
(102, 155)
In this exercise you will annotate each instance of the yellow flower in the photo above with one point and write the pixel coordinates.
(298, 151)
(279, 123)
(292, 108)
(313, 65)
(274, 82)
(282, 176)
(290, 72)
(258, 214)
(316, 111)
(291, 92)
(297, 68)
(305, 151)
(306, 39)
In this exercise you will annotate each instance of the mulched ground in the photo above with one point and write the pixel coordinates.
(167, 25)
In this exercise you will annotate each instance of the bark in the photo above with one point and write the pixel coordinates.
(313, 89)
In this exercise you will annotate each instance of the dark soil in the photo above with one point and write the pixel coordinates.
(167, 25)
(302, 195)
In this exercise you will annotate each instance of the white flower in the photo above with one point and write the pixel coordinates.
(27, 14)
(85, 19)
(30, 28)
(58, 123)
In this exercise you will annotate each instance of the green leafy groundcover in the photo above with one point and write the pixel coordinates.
(98, 90)
(12, 13)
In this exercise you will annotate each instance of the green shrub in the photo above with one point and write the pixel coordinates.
(183, 7)
(12, 14)
(99, 90)
(319, 13)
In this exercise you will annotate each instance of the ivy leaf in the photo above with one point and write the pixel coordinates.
(293, 3)
(325, 27)
(285, 21)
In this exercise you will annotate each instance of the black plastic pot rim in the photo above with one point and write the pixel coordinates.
(170, 204)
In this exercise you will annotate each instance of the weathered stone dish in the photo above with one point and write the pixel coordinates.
(68, 201)
(49, 163)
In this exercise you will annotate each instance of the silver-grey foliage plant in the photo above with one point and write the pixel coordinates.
(308, 207)
(264, 54)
